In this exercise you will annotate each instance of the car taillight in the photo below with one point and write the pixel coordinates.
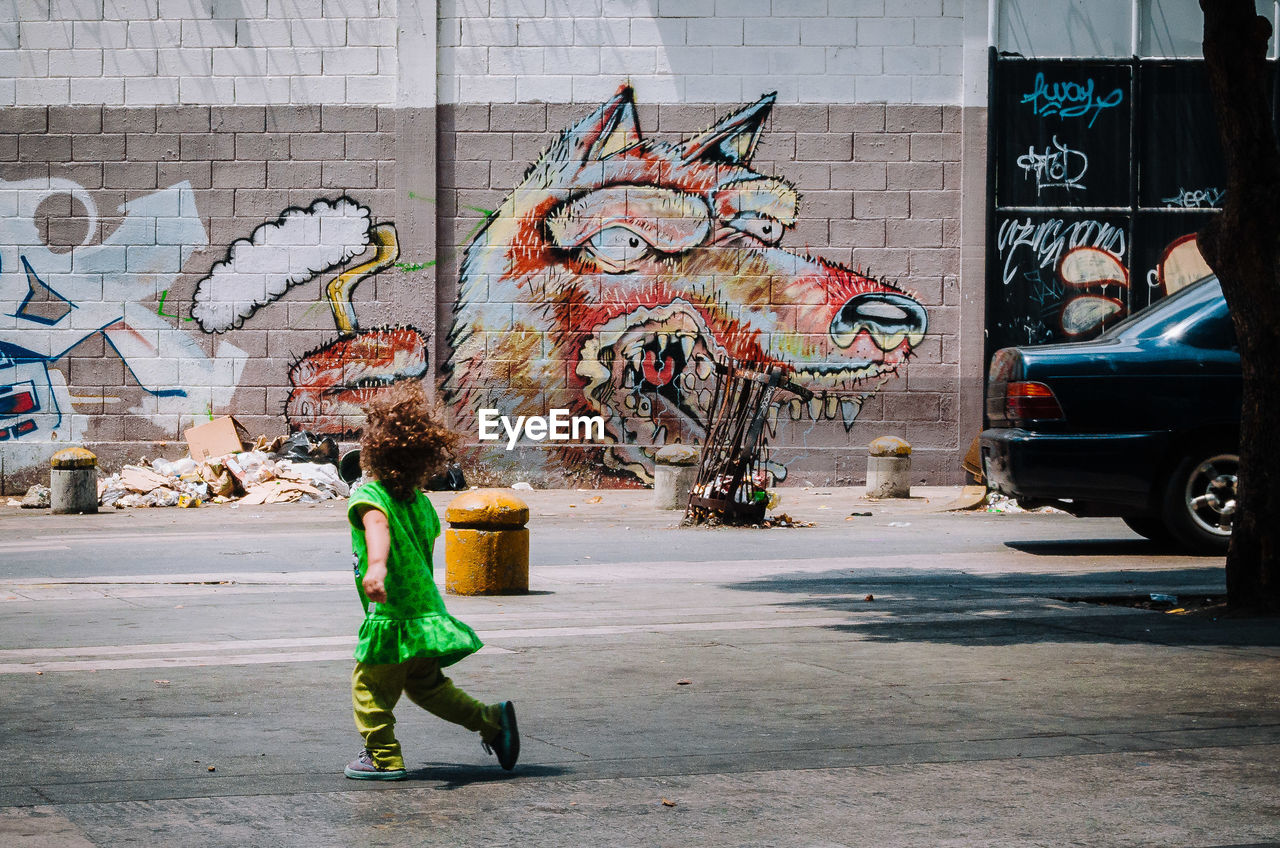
(1029, 401)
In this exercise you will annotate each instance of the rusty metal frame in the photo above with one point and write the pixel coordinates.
(726, 488)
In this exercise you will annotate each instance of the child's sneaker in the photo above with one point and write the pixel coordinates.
(363, 768)
(506, 744)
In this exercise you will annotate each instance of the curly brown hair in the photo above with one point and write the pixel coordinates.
(404, 440)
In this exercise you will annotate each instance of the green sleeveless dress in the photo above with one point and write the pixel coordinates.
(413, 622)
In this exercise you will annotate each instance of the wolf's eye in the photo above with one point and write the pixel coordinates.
(767, 230)
(618, 248)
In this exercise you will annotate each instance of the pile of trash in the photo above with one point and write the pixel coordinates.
(280, 471)
(996, 502)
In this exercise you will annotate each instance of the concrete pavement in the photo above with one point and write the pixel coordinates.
(193, 666)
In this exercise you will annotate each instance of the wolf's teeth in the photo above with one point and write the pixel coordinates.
(815, 408)
(660, 435)
(663, 338)
(686, 344)
(628, 378)
(848, 412)
(704, 369)
(796, 408)
(829, 406)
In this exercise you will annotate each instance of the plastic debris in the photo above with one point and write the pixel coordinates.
(996, 502)
(1162, 598)
(37, 497)
(522, 486)
(782, 519)
(257, 476)
(451, 480)
(305, 447)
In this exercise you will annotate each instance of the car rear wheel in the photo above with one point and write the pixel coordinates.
(1200, 500)
(1148, 527)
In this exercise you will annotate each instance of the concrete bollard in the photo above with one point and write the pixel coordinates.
(674, 470)
(889, 468)
(73, 481)
(486, 548)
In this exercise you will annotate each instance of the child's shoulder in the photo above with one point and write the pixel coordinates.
(364, 497)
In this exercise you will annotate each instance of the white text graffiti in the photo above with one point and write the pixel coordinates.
(559, 426)
(1048, 240)
(1058, 166)
(1070, 99)
(1202, 198)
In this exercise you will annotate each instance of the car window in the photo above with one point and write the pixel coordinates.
(1158, 318)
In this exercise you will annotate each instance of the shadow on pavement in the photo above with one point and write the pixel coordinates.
(1102, 547)
(450, 776)
(1014, 608)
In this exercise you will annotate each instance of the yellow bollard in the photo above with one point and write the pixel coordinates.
(486, 548)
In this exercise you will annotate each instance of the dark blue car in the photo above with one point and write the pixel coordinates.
(1142, 422)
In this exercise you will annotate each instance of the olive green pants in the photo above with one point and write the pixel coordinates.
(375, 690)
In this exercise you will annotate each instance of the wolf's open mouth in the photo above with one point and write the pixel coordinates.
(650, 373)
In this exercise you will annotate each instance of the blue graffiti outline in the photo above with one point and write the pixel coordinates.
(31, 292)
(1082, 102)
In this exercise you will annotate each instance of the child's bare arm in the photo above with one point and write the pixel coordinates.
(377, 537)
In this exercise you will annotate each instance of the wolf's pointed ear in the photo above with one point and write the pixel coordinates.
(734, 138)
(612, 128)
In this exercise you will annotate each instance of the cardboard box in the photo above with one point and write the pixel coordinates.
(219, 437)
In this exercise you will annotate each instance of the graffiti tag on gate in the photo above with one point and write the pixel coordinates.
(1205, 198)
(1057, 166)
(1070, 99)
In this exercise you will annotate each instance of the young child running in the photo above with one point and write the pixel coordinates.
(407, 635)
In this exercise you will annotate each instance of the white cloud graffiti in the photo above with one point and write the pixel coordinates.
(278, 255)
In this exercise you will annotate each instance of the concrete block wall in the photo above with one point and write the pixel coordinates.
(701, 51)
(144, 142)
(867, 126)
(223, 52)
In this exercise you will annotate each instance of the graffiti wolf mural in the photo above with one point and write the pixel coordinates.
(609, 280)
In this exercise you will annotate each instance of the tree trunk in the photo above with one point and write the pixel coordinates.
(1242, 245)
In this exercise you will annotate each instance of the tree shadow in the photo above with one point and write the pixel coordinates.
(955, 607)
